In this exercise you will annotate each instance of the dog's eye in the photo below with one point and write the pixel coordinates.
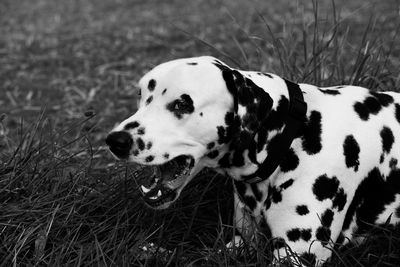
(183, 105)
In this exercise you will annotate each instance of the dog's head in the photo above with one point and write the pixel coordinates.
(192, 113)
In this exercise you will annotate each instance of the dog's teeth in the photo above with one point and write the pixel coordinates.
(155, 197)
(144, 189)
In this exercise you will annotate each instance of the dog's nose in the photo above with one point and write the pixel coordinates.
(120, 143)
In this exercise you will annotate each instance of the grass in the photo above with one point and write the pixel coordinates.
(67, 75)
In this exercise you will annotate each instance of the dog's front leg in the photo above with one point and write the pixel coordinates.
(243, 223)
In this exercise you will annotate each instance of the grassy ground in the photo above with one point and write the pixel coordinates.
(67, 70)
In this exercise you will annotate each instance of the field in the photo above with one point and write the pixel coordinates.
(68, 73)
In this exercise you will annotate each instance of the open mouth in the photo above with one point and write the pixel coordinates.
(163, 181)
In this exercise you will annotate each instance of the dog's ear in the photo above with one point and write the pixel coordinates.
(245, 122)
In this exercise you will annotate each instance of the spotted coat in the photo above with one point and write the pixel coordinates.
(339, 177)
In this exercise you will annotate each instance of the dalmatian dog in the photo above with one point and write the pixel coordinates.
(317, 166)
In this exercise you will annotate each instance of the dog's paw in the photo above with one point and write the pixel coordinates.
(237, 242)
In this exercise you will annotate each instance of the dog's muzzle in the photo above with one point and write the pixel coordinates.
(120, 143)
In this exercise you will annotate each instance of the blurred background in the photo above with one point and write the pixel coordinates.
(69, 56)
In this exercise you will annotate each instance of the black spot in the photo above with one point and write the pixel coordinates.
(224, 162)
(237, 159)
(376, 193)
(382, 158)
(325, 187)
(140, 143)
(262, 136)
(278, 243)
(383, 98)
(370, 198)
(373, 105)
(149, 158)
(293, 234)
(231, 131)
(351, 211)
(276, 195)
(339, 201)
(340, 239)
(256, 192)
(250, 202)
(221, 134)
(135, 152)
(149, 145)
(327, 218)
(149, 99)
(239, 146)
(274, 146)
(323, 234)
(275, 119)
(393, 163)
(312, 134)
(306, 234)
(210, 145)
(290, 162)
(166, 156)
(267, 75)
(201, 114)
(397, 112)
(302, 210)
(152, 85)
(267, 203)
(286, 184)
(192, 63)
(387, 139)
(308, 259)
(141, 131)
(351, 151)
(250, 120)
(164, 91)
(181, 106)
(330, 91)
(213, 154)
(361, 110)
(131, 125)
